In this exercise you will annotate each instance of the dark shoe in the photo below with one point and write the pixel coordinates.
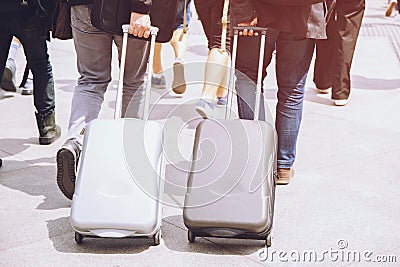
(284, 176)
(67, 162)
(27, 89)
(8, 79)
(48, 130)
(179, 83)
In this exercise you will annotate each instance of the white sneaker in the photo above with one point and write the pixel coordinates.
(323, 91)
(340, 102)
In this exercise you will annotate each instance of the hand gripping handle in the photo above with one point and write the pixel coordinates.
(118, 105)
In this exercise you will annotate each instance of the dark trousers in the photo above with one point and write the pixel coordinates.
(335, 54)
(210, 14)
(26, 27)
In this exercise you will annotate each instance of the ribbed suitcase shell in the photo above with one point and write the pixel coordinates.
(121, 171)
(119, 181)
(231, 185)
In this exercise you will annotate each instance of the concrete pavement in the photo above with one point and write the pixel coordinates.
(344, 197)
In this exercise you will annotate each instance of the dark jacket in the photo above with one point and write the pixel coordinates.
(307, 20)
(41, 10)
(138, 6)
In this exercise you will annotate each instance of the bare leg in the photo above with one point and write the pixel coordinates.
(157, 65)
(179, 43)
(215, 73)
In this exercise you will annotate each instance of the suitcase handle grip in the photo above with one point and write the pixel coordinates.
(237, 29)
(153, 30)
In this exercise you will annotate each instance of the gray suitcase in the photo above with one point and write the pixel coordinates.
(120, 174)
(231, 185)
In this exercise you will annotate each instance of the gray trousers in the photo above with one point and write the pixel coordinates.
(94, 49)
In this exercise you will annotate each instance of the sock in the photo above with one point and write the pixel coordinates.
(179, 59)
(157, 75)
(12, 53)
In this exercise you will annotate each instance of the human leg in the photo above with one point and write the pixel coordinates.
(349, 15)
(93, 49)
(7, 67)
(135, 76)
(179, 38)
(157, 64)
(210, 14)
(324, 59)
(293, 58)
(179, 43)
(7, 28)
(158, 78)
(247, 58)
(33, 39)
(35, 48)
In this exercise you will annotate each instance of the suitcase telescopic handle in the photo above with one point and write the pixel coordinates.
(263, 32)
(118, 105)
(260, 30)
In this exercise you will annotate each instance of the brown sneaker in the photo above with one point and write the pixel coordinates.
(179, 83)
(67, 162)
(390, 8)
(284, 176)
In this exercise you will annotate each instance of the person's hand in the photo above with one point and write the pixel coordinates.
(246, 32)
(140, 25)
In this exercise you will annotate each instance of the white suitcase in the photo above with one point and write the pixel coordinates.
(120, 175)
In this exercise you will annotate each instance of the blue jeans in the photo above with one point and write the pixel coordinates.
(179, 16)
(293, 58)
(24, 25)
(94, 51)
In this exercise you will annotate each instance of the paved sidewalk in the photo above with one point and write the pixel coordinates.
(345, 195)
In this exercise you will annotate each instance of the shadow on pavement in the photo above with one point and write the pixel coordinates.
(175, 238)
(5, 94)
(62, 235)
(37, 181)
(312, 95)
(365, 83)
(200, 50)
(17, 145)
(185, 112)
(65, 85)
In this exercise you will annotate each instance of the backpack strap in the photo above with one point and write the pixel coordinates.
(224, 21)
(184, 30)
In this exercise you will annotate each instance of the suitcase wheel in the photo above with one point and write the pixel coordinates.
(268, 240)
(191, 236)
(78, 238)
(157, 237)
